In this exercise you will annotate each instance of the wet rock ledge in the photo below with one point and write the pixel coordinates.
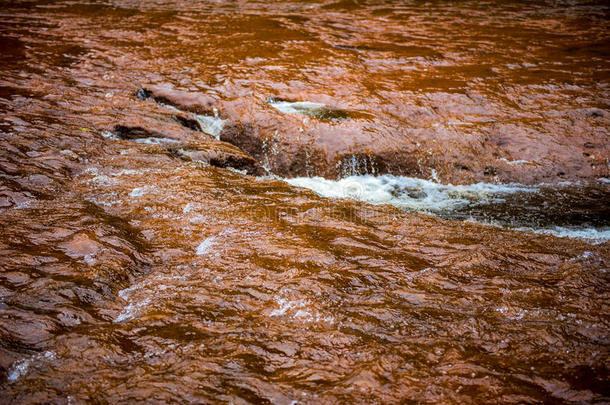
(291, 137)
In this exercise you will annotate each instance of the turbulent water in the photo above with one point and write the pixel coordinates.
(567, 210)
(133, 270)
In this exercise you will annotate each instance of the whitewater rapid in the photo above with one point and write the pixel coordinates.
(484, 203)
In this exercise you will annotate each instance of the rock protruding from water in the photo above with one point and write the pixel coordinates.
(186, 101)
(182, 145)
(297, 136)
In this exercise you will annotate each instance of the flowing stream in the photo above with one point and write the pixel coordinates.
(304, 202)
(565, 210)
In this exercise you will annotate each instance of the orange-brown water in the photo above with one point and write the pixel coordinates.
(129, 272)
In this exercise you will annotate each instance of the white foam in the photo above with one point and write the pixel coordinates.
(431, 197)
(131, 311)
(126, 292)
(303, 311)
(210, 125)
(205, 246)
(516, 162)
(285, 305)
(147, 284)
(188, 208)
(407, 192)
(20, 368)
(22, 204)
(244, 171)
(90, 259)
(139, 295)
(155, 141)
(68, 152)
(138, 191)
(308, 316)
(103, 180)
(130, 172)
(198, 219)
(593, 235)
(297, 107)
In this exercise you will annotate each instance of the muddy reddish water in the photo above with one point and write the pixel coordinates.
(136, 266)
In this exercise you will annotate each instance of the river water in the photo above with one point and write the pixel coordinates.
(132, 270)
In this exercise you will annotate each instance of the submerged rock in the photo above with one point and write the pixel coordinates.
(220, 154)
(194, 102)
(195, 148)
(130, 272)
(131, 133)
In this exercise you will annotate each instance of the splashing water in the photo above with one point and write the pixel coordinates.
(546, 209)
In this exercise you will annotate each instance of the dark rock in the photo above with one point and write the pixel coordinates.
(244, 136)
(189, 123)
(142, 94)
(221, 154)
(194, 148)
(135, 132)
(490, 171)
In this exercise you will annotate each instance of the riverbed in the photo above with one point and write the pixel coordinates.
(304, 202)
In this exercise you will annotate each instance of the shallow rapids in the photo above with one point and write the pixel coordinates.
(564, 210)
(161, 242)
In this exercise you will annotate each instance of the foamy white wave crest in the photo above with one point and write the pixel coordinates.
(434, 198)
(298, 107)
(591, 234)
(407, 192)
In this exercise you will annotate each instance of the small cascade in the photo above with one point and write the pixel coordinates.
(355, 165)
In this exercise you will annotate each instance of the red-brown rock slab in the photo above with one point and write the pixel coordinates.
(404, 139)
